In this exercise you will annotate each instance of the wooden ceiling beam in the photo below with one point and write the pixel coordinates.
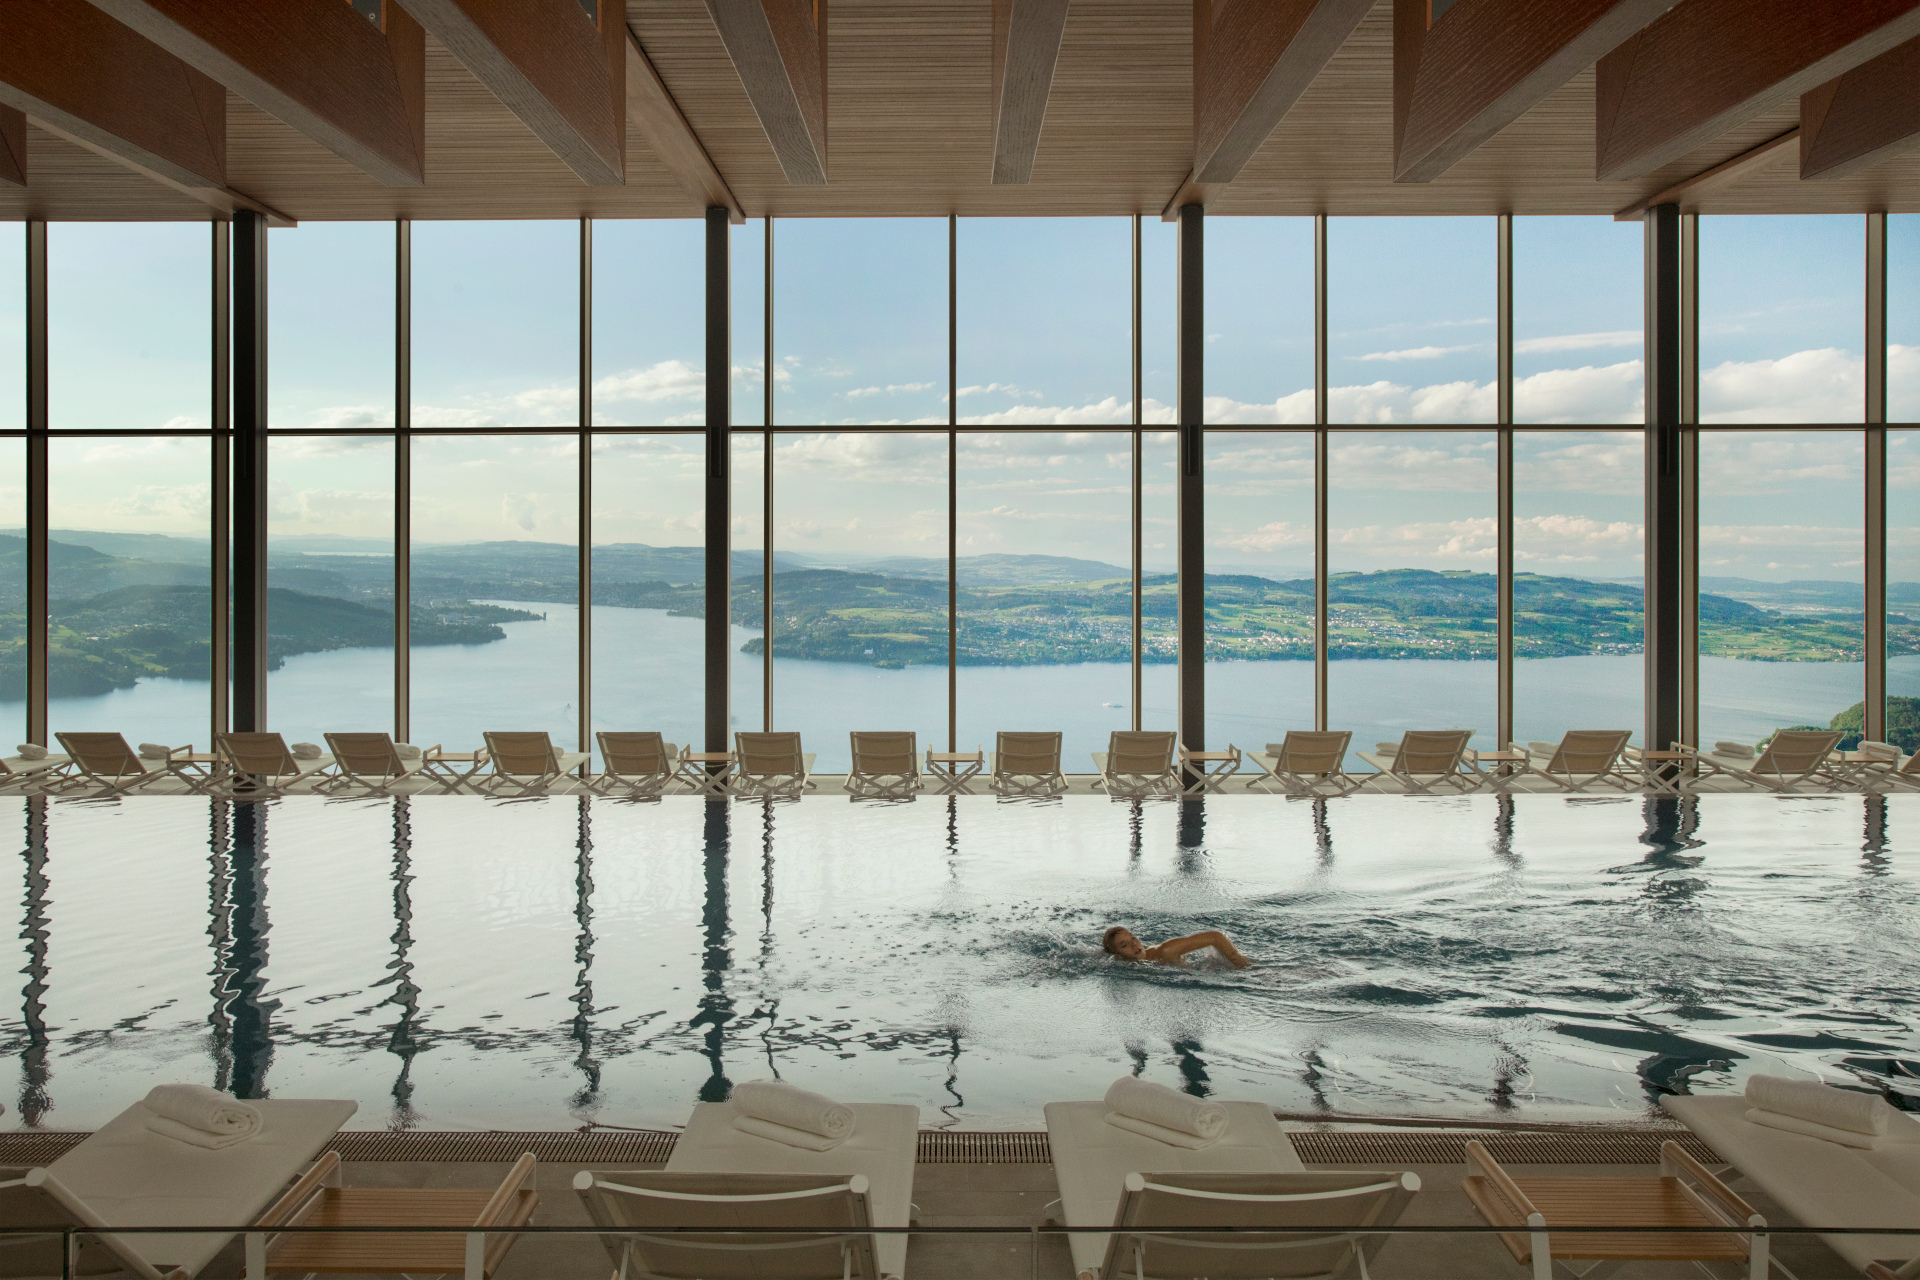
(563, 73)
(1026, 44)
(1709, 65)
(1870, 114)
(1459, 80)
(223, 200)
(355, 88)
(13, 147)
(75, 68)
(1687, 192)
(652, 110)
(779, 50)
(1252, 59)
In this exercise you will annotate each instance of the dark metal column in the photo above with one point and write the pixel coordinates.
(1138, 444)
(584, 486)
(1191, 510)
(719, 509)
(402, 479)
(1664, 559)
(220, 668)
(1876, 478)
(766, 482)
(953, 483)
(1320, 603)
(249, 471)
(37, 481)
(1503, 481)
(1690, 478)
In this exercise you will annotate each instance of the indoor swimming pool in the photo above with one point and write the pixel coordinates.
(457, 962)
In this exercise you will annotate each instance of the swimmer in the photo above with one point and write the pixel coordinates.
(1119, 941)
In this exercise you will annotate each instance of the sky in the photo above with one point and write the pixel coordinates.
(1043, 340)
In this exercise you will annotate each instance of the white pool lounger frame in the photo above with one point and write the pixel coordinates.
(1821, 1183)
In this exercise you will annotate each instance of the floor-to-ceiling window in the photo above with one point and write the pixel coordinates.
(13, 489)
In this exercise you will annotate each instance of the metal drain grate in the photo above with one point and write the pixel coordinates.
(940, 1146)
(501, 1147)
(31, 1149)
(1605, 1146)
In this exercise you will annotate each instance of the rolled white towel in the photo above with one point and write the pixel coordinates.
(1816, 1103)
(1738, 749)
(32, 751)
(1386, 748)
(406, 751)
(1542, 749)
(779, 1103)
(306, 751)
(784, 1133)
(154, 751)
(199, 1115)
(1794, 1124)
(1133, 1099)
(1159, 1132)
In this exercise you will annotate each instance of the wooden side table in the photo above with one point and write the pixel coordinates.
(1664, 772)
(1211, 769)
(952, 771)
(1507, 765)
(444, 767)
(714, 784)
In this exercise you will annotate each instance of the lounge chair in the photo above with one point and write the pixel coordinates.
(1793, 757)
(637, 765)
(527, 764)
(126, 1175)
(1426, 759)
(830, 1209)
(1138, 765)
(771, 764)
(368, 763)
(1821, 1183)
(261, 765)
(1092, 1161)
(26, 771)
(1584, 758)
(1027, 764)
(1306, 763)
(105, 760)
(882, 1149)
(317, 1200)
(886, 766)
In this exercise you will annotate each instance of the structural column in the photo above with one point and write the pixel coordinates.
(1320, 413)
(402, 480)
(36, 727)
(584, 495)
(1191, 511)
(249, 660)
(1136, 618)
(220, 570)
(1690, 478)
(1664, 558)
(719, 508)
(1503, 468)
(1876, 477)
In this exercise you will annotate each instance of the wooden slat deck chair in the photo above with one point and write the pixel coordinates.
(526, 763)
(105, 761)
(886, 765)
(1685, 1214)
(1881, 766)
(1309, 1226)
(277, 1245)
(367, 764)
(28, 772)
(1427, 759)
(637, 765)
(1027, 764)
(1795, 757)
(771, 764)
(1306, 763)
(798, 1226)
(260, 766)
(1138, 765)
(1584, 759)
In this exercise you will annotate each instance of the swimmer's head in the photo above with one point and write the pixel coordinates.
(1119, 941)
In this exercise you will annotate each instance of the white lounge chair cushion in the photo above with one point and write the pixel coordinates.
(306, 751)
(885, 1141)
(154, 751)
(406, 751)
(1091, 1161)
(130, 1176)
(1738, 750)
(32, 751)
(1822, 1184)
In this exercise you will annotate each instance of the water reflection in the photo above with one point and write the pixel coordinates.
(242, 1009)
(716, 1007)
(34, 1073)
(581, 1026)
(404, 1038)
(1873, 847)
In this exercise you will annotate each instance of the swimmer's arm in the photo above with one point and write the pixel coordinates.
(1174, 948)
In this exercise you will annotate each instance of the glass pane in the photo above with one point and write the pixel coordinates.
(496, 324)
(129, 324)
(1046, 324)
(748, 269)
(1259, 545)
(1259, 359)
(860, 320)
(1410, 319)
(649, 576)
(1903, 317)
(13, 326)
(1412, 615)
(496, 578)
(13, 592)
(129, 542)
(859, 588)
(747, 701)
(1780, 581)
(1782, 318)
(1577, 315)
(1903, 589)
(330, 586)
(1046, 587)
(1159, 320)
(1159, 584)
(331, 354)
(649, 313)
(1579, 603)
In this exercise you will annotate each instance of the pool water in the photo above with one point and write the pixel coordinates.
(456, 962)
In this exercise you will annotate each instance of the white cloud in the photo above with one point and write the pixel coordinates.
(1470, 543)
(1822, 385)
(1268, 537)
(1414, 353)
(667, 380)
(1549, 544)
(1610, 393)
(1579, 341)
(1414, 464)
(1002, 388)
(896, 387)
(1110, 411)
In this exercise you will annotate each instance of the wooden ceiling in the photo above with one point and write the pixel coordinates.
(911, 133)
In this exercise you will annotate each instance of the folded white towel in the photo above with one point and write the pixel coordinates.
(154, 751)
(1159, 1132)
(205, 1117)
(1158, 1105)
(1740, 749)
(785, 1133)
(1542, 749)
(1386, 748)
(406, 751)
(32, 751)
(1821, 1104)
(780, 1103)
(1794, 1124)
(306, 751)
